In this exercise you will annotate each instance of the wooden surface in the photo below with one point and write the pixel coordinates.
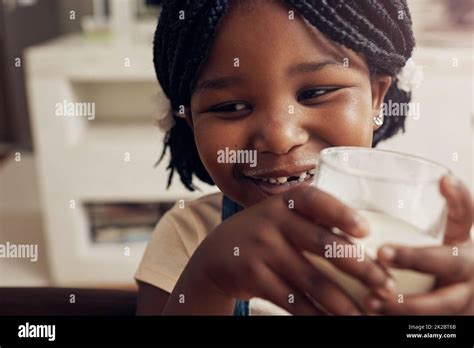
(66, 301)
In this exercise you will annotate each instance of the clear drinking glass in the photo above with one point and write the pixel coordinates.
(399, 196)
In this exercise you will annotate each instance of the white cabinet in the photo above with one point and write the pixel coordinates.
(85, 160)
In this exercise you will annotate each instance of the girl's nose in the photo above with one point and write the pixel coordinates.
(279, 133)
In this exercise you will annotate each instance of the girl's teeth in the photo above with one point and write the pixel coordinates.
(284, 179)
(302, 177)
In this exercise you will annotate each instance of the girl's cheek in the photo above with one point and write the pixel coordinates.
(211, 138)
(348, 122)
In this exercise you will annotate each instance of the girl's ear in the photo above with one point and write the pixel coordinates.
(380, 86)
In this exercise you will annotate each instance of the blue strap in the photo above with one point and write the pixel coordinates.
(241, 308)
(230, 208)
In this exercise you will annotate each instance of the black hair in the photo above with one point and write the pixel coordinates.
(379, 30)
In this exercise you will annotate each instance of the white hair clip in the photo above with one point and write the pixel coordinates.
(165, 121)
(164, 115)
(410, 77)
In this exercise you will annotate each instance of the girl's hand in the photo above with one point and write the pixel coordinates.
(258, 253)
(452, 263)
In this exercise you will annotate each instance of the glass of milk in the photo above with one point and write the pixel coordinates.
(399, 196)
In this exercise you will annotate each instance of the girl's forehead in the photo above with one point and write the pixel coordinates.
(256, 30)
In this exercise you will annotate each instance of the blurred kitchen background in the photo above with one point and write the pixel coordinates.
(86, 190)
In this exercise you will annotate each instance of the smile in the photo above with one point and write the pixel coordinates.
(275, 181)
(287, 180)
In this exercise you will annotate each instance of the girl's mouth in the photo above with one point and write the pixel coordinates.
(277, 182)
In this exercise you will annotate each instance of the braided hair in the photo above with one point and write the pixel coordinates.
(380, 30)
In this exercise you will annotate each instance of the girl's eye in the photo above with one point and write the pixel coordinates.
(313, 93)
(231, 107)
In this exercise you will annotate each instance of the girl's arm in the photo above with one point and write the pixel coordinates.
(151, 300)
(195, 293)
(199, 298)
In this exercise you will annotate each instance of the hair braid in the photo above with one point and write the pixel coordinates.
(367, 27)
(380, 17)
(399, 12)
(202, 43)
(337, 29)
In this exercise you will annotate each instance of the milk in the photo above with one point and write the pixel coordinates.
(383, 229)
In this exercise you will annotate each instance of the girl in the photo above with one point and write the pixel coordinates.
(285, 79)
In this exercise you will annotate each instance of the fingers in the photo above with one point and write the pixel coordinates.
(448, 263)
(323, 209)
(454, 299)
(272, 287)
(297, 270)
(306, 236)
(460, 209)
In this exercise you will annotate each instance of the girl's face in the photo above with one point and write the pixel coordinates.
(274, 84)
